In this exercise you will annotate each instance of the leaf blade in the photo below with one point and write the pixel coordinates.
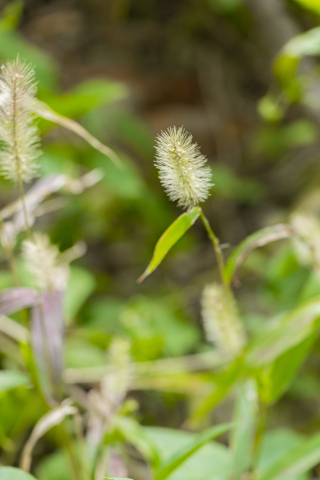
(297, 461)
(176, 230)
(257, 239)
(292, 330)
(201, 440)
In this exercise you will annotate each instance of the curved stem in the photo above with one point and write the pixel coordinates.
(216, 246)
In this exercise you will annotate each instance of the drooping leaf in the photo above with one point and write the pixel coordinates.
(176, 230)
(257, 239)
(180, 457)
(44, 111)
(52, 418)
(291, 330)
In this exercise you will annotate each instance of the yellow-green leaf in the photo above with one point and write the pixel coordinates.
(176, 230)
(292, 330)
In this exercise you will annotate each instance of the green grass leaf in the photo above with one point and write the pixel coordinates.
(10, 473)
(10, 379)
(257, 239)
(222, 385)
(298, 460)
(274, 380)
(180, 457)
(292, 330)
(176, 230)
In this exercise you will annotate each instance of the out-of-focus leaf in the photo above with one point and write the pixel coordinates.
(176, 230)
(298, 460)
(136, 435)
(81, 354)
(228, 184)
(10, 379)
(275, 445)
(270, 108)
(287, 62)
(12, 44)
(125, 183)
(275, 379)
(14, 329)
(180, 457)
(11, 15)
(44, 111)
(257, 239)
(85, 96)
(242, 436)
(222, 385)
(52, 418)
(11, 473)
(80, 286)
(132, 131)
(210, 462)
(312, 5)
(292, 330)
(225, 6)
(55, 466)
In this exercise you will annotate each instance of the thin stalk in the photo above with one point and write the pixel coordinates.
(46, 345)
(24, 207)
(261, 427)
(217, 249)
(77, 421)
(68, 444)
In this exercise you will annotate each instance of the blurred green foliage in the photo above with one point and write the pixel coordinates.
(121, 219)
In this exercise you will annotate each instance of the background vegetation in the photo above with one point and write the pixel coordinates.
(243, 77)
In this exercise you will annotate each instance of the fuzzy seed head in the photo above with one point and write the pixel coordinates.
(43, 261)
(181, 168)
(221, 321)
(17, 128)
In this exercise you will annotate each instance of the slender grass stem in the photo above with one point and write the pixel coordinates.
(77, 421)
(24, 207)
(217, 249)
(261, 427)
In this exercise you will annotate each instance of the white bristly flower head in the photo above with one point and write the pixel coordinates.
(17, 128)
(221, 322)
(181, 168)
(44, 262)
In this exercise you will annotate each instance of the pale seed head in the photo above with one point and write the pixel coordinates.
(18, 131)
(44, 262)
(181, 168)
(221, 322)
